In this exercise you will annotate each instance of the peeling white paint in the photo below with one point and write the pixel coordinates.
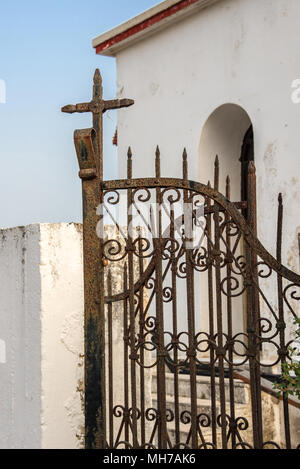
(72, 321)
(62, 313)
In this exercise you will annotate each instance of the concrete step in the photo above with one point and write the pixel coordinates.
(203, 387)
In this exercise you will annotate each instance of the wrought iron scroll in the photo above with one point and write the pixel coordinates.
(149, 279)
(236, 266)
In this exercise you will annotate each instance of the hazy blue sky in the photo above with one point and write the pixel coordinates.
(47, 61)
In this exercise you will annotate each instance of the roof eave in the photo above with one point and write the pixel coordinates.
(146, 24)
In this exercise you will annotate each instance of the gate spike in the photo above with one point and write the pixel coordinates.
(97, 77)
(129, 163)
(98, 89)
(228, 187)
(185, 164)
(217, 173)
(279, 228)
(157, 162)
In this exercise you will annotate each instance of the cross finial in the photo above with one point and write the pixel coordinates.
(97, 77)
(98, 106)
(98, 89)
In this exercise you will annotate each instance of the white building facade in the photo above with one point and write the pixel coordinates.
(201, 72)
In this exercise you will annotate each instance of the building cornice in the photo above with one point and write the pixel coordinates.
(146, 23)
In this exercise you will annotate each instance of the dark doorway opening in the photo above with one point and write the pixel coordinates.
(247, 155)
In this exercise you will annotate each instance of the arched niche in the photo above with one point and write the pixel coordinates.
(228, 133)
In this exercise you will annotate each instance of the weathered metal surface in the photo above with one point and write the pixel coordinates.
(230, 275)
(160, 274)
(226, 230)
(93, 284)
(89, 148)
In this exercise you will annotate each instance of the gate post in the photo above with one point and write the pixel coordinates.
(94, 338)
(89, 149)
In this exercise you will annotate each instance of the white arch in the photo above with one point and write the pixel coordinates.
(222, 135)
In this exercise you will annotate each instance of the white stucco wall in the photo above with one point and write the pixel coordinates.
(41, 325)
(42, 337)
(20, 331)
(237, 51)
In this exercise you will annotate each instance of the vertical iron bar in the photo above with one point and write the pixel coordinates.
(126, 349)
(175, 332)
(89, 148)
(133, 355)
(281, 323)
(220, 348)
(190, 311)
(229, 315)
(110, 363)
(94, 320)
(98, 123)
(161, 384)
(95, 400)
(252, 352)
(142, 355)
(253, 313)
(211, 323)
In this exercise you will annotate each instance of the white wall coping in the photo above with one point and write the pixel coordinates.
(146, 23)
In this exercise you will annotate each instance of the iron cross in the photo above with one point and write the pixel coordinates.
(98, 106)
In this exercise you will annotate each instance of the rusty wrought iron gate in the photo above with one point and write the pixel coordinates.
(186, 313)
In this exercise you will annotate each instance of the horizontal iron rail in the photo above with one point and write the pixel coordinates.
(229, 207)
